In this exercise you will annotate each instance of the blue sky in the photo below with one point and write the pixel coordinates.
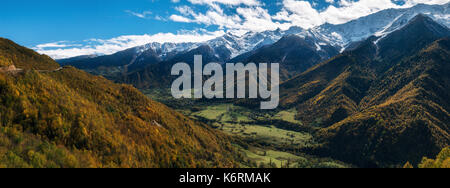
(65, 28)
(32, 22)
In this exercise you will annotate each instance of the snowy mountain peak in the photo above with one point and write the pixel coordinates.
(340, 36)
(226, 47)
(379, 24)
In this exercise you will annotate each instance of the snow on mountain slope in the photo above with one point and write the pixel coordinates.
(225, 47)
(379, 24)
(340, 36)
(165, 49)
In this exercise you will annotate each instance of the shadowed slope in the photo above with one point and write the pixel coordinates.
(294, 54)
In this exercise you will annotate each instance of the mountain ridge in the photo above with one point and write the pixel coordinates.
(295, 54)
(356, 97)
(238, 48)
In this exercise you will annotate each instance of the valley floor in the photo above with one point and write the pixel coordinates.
(264, 139)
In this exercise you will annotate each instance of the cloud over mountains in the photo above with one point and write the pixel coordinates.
(235, 16)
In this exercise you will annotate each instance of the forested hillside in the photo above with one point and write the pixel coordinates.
(441, 161)
(383, 103)
(159, 75)
(24, 58)
(68, 118)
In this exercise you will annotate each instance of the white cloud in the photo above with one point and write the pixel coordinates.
(178, 18)
(253, 17)
(410, 3)
(184, 10)
(247, 18)
(54, 45)
(301, 13)
(352, 10)
(140, 15)
(214, 16)
(258, 19)
(226, 2)
(64, 49)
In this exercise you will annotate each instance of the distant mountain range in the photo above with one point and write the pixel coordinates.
(316, 45)
(230, 46)
(378, 24)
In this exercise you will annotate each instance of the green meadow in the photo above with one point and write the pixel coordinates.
(265, 145)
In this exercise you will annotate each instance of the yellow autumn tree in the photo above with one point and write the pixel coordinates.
(441, 161)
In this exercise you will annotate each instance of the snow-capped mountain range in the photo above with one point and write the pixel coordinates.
(226, 47)
(340, 36)
(378, 24)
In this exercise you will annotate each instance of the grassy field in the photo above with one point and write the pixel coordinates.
(271, 158)
(268, 134)
(225, 113)
(288, 115)
(241, 122)
(267, 158)
(267, 142)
